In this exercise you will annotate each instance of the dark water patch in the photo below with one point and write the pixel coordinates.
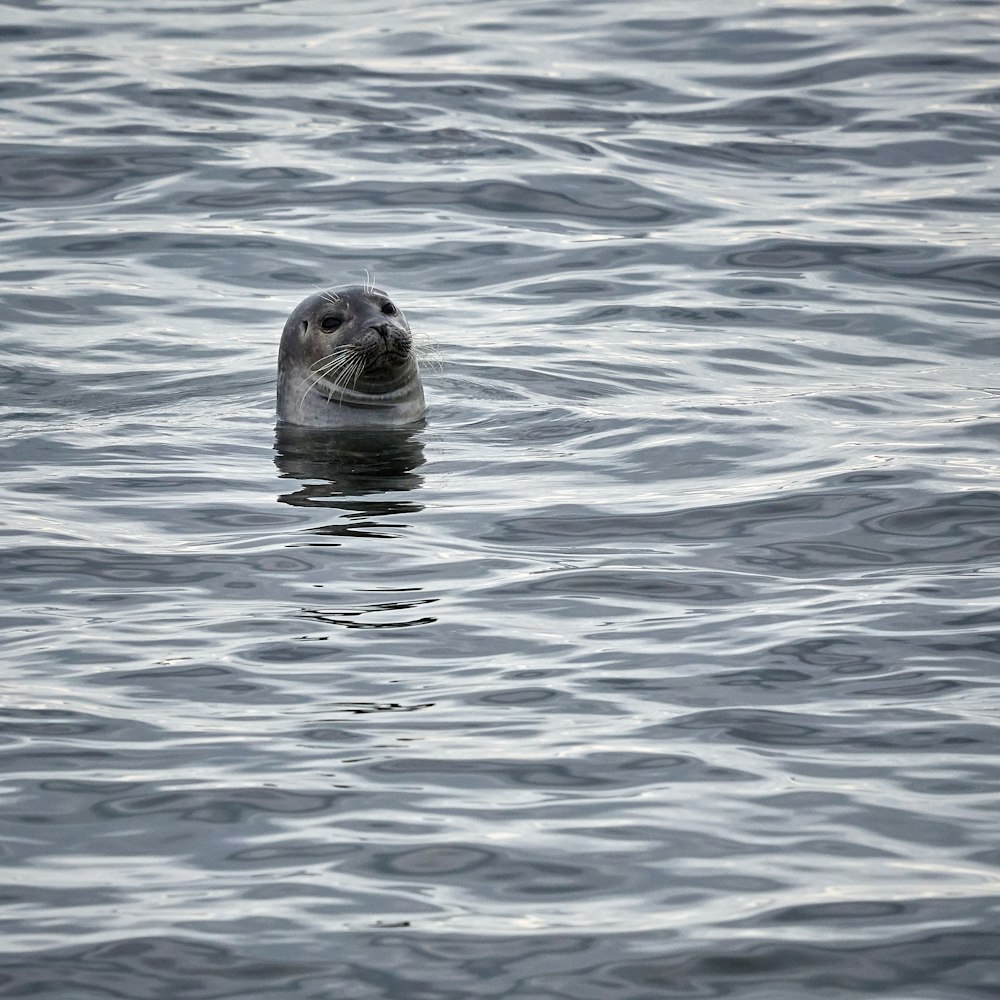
(185, 678)
(143, 968)
(140, 576)
(57, 724)
(940, 532)
(18, 33)
(703, 523)
(40, 174)
(390, 963)
(212, 806)
(595, 202)
(296, 75)
(863, 67)
(774, 113)
(787, 729)
(975, 276)
(595, 770)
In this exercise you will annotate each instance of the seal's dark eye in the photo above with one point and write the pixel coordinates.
(330, 323)
(389, 309)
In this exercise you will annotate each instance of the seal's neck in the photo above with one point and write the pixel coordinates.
(321, 404)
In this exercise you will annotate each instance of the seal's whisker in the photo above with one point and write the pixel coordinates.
(344, 375)
(337, 352)
(359, 367)
(329, 372)
(335, 363)
(349, 378)
(331, 362)
(332, 373)
(328, 294)
(427, 353)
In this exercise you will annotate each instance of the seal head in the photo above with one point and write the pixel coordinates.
(346, 359)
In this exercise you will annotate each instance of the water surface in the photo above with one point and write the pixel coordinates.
(661, 660)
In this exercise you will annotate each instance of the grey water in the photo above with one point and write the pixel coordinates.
(661, 661)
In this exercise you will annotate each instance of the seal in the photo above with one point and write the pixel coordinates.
(346, 359)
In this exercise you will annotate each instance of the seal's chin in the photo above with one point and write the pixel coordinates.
(383, 362)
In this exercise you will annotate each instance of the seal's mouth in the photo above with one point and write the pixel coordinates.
(398, 352)
(387, 346)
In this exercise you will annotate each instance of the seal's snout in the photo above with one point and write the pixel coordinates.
(392, 342)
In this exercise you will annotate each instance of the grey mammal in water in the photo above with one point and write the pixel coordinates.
(346, 360)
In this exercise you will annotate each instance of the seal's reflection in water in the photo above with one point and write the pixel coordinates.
(338, 468)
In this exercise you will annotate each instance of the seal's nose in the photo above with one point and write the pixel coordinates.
(382, 329)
